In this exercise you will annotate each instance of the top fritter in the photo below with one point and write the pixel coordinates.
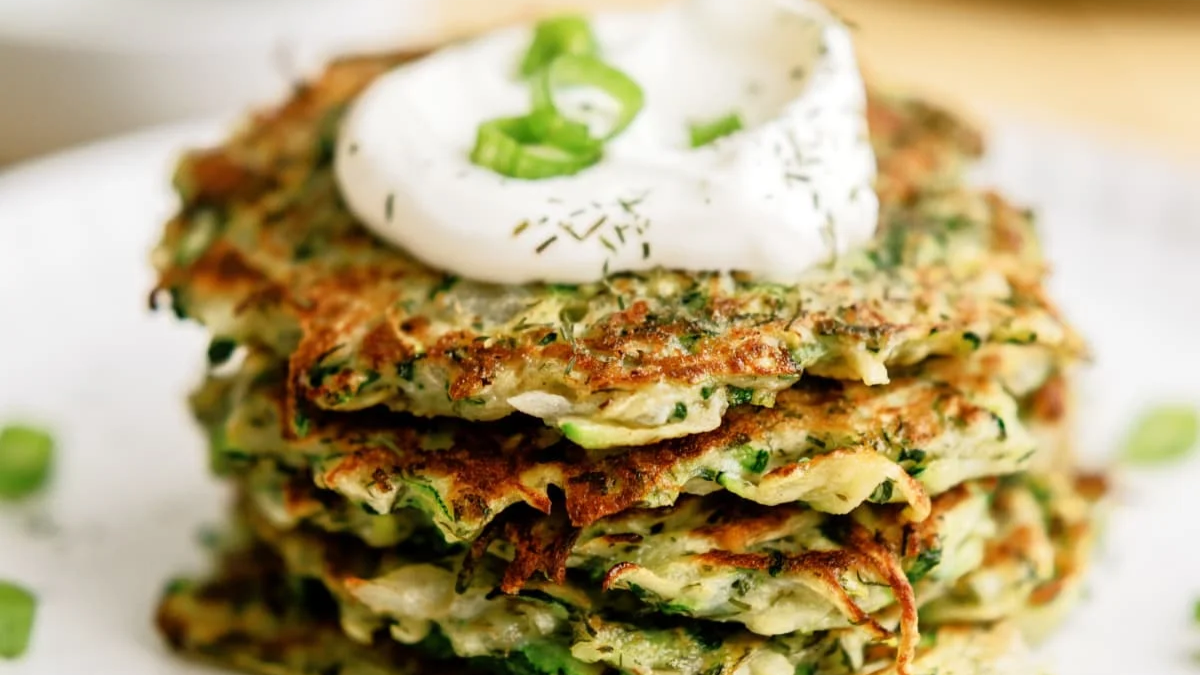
(266, 251)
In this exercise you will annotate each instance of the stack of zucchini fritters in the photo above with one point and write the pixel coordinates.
(673, 473)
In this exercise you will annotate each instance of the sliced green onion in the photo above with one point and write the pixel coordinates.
(555, 37)
(1162, 434)
(509, 146)
(550, 128)
(704, 133)
(26, 456)
(17, 607)
(575, 70)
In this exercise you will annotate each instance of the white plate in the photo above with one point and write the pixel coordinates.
(80, 351)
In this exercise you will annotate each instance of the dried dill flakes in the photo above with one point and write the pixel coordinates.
(1162, 434)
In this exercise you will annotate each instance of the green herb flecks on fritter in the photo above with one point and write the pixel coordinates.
(556, 627)
(414, 596)
(1033, 567)
(831, 444)
(254, 619)
(264, 252)
(983, 555)
(775, 570)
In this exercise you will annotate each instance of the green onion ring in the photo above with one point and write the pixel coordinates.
(555, 37)
(552, 128)
(510, 147)
(573, 70)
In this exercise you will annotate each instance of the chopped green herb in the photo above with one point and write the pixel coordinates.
(1025, 339)
(300, 424)
(549, 338)
(703, 133)
(973, 339)
(958, 222)
(928, 640)
(372, 376)
(1162, 434)
(17, 609)
(753, 459)
(1003, 433)
(319, 371)
(680, 412)
(448, 281)
(883, 493)
(404, 370)
(706, 393)
(178, 585)
(694, 300)
(778, 563)
(739, 396)
(219, 351)
(708, 636)
(202, 231)
(177, 305)
(327, 135)
(26, 459)
(688, 342)
(925, 562)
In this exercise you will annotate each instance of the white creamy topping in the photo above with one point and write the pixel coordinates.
(791, 190)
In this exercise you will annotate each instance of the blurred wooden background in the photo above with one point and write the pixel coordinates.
(1126, 70)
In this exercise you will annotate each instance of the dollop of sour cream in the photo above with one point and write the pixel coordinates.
(791, 190)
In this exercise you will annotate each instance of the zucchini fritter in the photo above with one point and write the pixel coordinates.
(252, 617)
(830, 444)
(417, 592)
(264, 252)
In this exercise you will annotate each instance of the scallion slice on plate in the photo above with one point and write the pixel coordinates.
(17, 608)
(26, 458)
(1162, 434)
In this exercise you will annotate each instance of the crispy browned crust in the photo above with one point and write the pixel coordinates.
(541, 544)
(1075, 537)
(496, 464)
